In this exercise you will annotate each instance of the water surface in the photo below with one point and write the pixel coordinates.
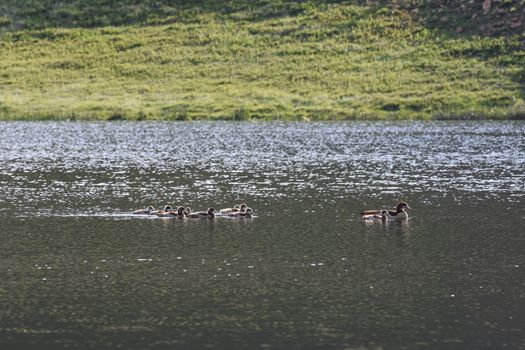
(77, 271)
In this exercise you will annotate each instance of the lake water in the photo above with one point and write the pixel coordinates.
(78, 271)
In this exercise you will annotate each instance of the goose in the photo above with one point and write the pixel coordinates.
(398, 214)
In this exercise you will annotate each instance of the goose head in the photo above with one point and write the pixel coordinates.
(402, 206)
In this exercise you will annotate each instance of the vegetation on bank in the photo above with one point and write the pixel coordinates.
(273, 59)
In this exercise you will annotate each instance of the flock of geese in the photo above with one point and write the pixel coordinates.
(238, 211)
(243, 211)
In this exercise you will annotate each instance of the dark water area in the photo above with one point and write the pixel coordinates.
(78, 271)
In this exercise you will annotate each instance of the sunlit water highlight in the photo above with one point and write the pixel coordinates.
(78, 270)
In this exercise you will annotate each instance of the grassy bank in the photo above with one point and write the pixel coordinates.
(232, 60)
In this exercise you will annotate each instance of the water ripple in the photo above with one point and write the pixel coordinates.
(97, 165)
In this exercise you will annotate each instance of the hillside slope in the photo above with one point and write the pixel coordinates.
(315, 60)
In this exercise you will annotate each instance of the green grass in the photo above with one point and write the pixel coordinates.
(232, 60)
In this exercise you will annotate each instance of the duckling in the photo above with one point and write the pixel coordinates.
(165, 211)
(210, 213)
(181, 211)
(236, 207)
(381, 215)
(172, 213)
(248, 213)
(398, 214)
(146, 211)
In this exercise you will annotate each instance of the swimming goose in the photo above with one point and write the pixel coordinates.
(398, 214)
(146, 211)
(210, 213)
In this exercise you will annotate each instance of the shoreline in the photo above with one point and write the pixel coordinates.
(458, 118)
